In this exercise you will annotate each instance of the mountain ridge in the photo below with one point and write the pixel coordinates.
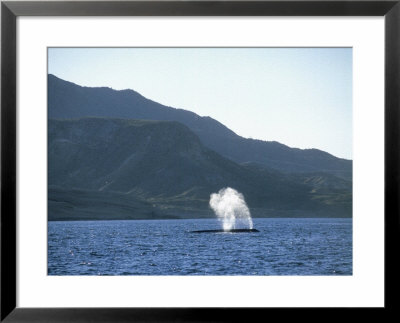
(68, 100)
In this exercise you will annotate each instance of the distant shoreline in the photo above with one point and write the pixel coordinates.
(197, 218)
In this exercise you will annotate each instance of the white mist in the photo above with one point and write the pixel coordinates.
(230, 207)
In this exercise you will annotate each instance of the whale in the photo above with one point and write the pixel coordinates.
(226, 231)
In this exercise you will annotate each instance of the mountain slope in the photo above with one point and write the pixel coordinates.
(158, 167)
(68, 100)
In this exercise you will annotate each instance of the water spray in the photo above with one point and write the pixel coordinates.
(231, 209)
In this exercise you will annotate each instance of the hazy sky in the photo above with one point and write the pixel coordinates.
(301, 97)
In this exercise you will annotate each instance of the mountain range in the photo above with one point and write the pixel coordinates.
(68, 100)
(117, 155)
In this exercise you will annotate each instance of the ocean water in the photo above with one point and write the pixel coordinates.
(168, 247)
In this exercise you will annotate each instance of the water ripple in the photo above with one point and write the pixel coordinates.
(282, 247)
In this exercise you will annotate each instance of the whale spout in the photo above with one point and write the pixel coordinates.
(227, 231)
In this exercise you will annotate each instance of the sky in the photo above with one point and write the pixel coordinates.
(300, 97)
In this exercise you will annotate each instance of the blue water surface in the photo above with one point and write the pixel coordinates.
(167, 247)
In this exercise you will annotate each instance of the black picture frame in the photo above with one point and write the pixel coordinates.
(10, 10)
